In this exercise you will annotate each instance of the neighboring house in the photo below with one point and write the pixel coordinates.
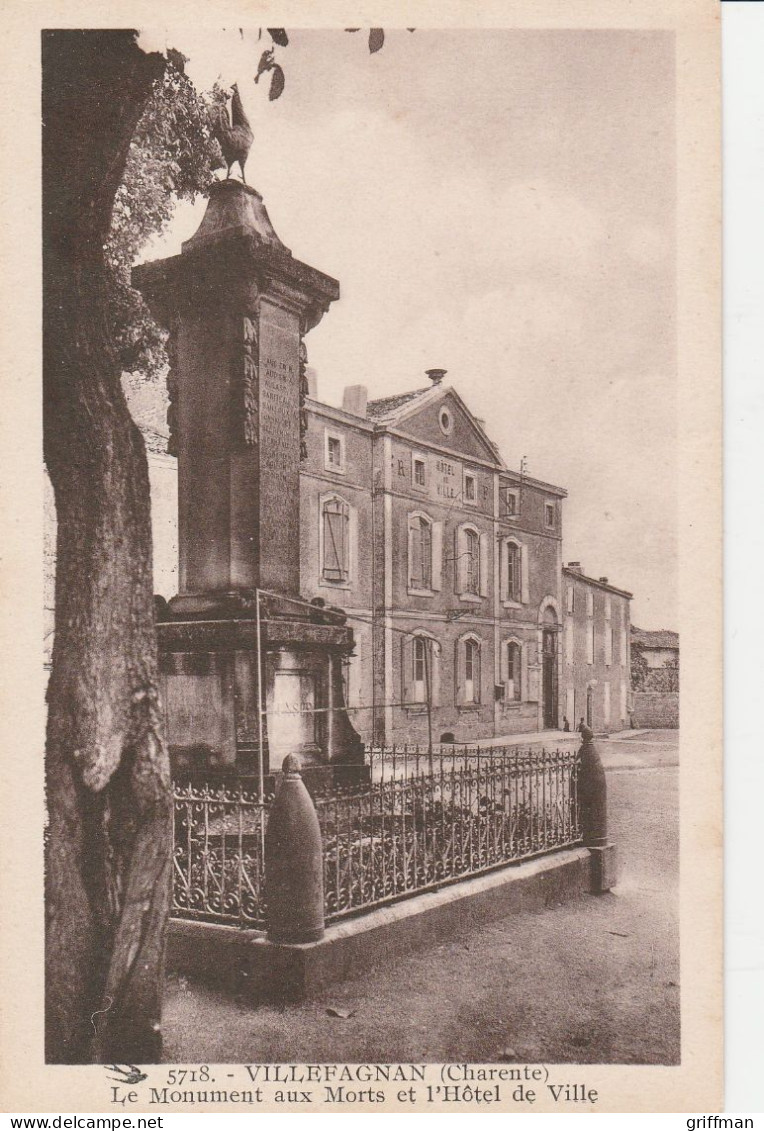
(596, 651)
(448, 564)
(655, 660)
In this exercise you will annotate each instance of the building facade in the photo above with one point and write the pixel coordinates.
(448, 565)
(596, 657)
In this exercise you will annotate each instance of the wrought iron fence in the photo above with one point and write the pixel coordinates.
(218, 858)
(430, 819)
(415, 821)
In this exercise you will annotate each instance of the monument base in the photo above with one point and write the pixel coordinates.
(213, 654)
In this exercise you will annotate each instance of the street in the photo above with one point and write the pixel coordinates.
(595, 980)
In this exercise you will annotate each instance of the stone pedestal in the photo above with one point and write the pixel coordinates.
(237, 306)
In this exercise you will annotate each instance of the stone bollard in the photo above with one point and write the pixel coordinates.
(294, 863)
(592, 799)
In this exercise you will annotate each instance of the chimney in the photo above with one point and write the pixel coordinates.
(603, 580)
(312, 376)
(575, 567)
(436, 375)
(354, 399)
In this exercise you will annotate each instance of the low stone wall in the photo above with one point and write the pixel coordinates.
(244, 962)
(656, 709)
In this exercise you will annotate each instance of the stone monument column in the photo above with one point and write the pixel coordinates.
(237, 305)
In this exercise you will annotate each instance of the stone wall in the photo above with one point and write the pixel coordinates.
(656, 709)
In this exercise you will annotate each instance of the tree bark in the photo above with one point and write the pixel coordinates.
(108, 855)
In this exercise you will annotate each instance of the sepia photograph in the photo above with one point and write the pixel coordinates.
(365, 466)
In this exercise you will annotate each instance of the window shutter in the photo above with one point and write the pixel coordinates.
(407, 669)
(459, 549)
(435, 673)
(524, 579)
(410, 552)
(353, 547)
(484, 566)
(437, 556)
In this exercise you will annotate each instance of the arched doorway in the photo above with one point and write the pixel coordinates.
(549, 634)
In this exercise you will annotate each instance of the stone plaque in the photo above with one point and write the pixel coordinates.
(279, 449)
(291, 717)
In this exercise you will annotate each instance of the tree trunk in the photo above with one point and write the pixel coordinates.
(108, 856)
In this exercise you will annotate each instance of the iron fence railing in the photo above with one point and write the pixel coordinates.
(413, 822)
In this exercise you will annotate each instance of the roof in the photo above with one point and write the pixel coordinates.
(595, 581)
(660, 638)
(387, 408)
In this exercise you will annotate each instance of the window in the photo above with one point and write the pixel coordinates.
(569, 640)
(509, 503)
(420, 551)
(571, 599)
(425, 546)
(550, 514)
(589, 603)
(608, 608)
(446, 422)
(419, 476)
(513, 670)
(470, 492)
(467, 670)
(471, 556)
(334, 452)
(513, 571)
(335, 537)
(608, 645)
(471, 562)
(420, 666)
(471, 665)
(420, 671)
(590, 643)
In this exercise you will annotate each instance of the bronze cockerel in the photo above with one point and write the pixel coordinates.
(236, 136)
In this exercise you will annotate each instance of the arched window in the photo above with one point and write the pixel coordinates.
(513, 571)
(468, 671)
(471, 562)
(335, 538)
(420, 553)
(514, 675)
(420, 665)
(471, 670)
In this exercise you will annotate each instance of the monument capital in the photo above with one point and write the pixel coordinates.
(234, 258)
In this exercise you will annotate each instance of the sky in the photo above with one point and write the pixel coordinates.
(500, 204)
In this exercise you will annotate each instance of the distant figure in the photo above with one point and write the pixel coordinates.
(581, 724)
(565, 723)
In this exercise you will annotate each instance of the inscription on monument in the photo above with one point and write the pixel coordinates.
(279, 449)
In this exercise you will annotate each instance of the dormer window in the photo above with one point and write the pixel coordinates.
(510, 504)
(334, 452)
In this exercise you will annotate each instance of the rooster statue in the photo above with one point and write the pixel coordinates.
(235, 137)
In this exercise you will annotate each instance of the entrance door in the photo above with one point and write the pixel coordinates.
(550, 677)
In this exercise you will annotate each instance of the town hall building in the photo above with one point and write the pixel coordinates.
(448, 564)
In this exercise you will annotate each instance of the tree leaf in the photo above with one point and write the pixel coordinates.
(278, 35)
(266, 63)
(277, 83)
(376, 39)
